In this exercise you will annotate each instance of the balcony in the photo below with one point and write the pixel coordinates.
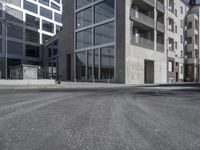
(160, 47)
(160, 27)
(160, 7)
(150, 2)
(142, 18)
(142, 42)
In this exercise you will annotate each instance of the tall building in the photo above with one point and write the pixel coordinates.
(176, 18)
(114, 41)
(29, 24)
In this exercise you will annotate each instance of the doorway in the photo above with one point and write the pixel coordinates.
(148, 72)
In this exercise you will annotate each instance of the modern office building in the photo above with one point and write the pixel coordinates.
(29, 24)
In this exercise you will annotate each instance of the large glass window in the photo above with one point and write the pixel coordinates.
(15, 48)
(47, 26)
(30, 7)
(32, 51)
(81, 65)
(84, 39)
(45, 13)
(107, 63)
(84, 18)
(89, 64)
(14, 15)
(104, 10)
(15, 32)
(96, 63)
(32, 36)
(32, 21)
(104, 33)
(81, 3)
(58, 17)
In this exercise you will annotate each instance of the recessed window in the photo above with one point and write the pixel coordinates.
(32, 21)
(32, 36)
(45, 2)
(58, 17)
(30, 7)
(54, 6)
(14, 2)
(47, 26)
(45, 13)
(45, 38)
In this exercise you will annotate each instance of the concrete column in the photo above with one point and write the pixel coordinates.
(155, 31)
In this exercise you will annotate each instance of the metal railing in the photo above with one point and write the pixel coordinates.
(160, 27)
(142, 18)
(160, 47)
(150, 2)
(160, 6)
(147, 43)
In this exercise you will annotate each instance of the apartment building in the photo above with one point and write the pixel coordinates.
(192, 68)
(25, 26)
(176, 18)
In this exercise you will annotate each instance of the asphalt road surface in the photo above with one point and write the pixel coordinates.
(111, 119)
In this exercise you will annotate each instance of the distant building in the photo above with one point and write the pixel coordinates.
(30, 24)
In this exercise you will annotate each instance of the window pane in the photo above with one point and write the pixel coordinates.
(96, 63)
(32, 36)
(47, 26)
(30, 7)
(15, 32)
(58, 28)
(104, 33)
(81, 65)
(15, 48)
(104, 10)
(45, 38)
(89, 65)
(84, 39)
(32, 51)
(55, 6)
(14, 15)
(45, 13)
(107, 63)
(81, 3)
(58, 17)
(32, 21)
(45, 2)
(84, 18)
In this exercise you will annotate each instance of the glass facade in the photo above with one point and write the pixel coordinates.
(95, 40)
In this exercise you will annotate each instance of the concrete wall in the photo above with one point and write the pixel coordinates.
(136, 56)
(120, 41)
(67, 40)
